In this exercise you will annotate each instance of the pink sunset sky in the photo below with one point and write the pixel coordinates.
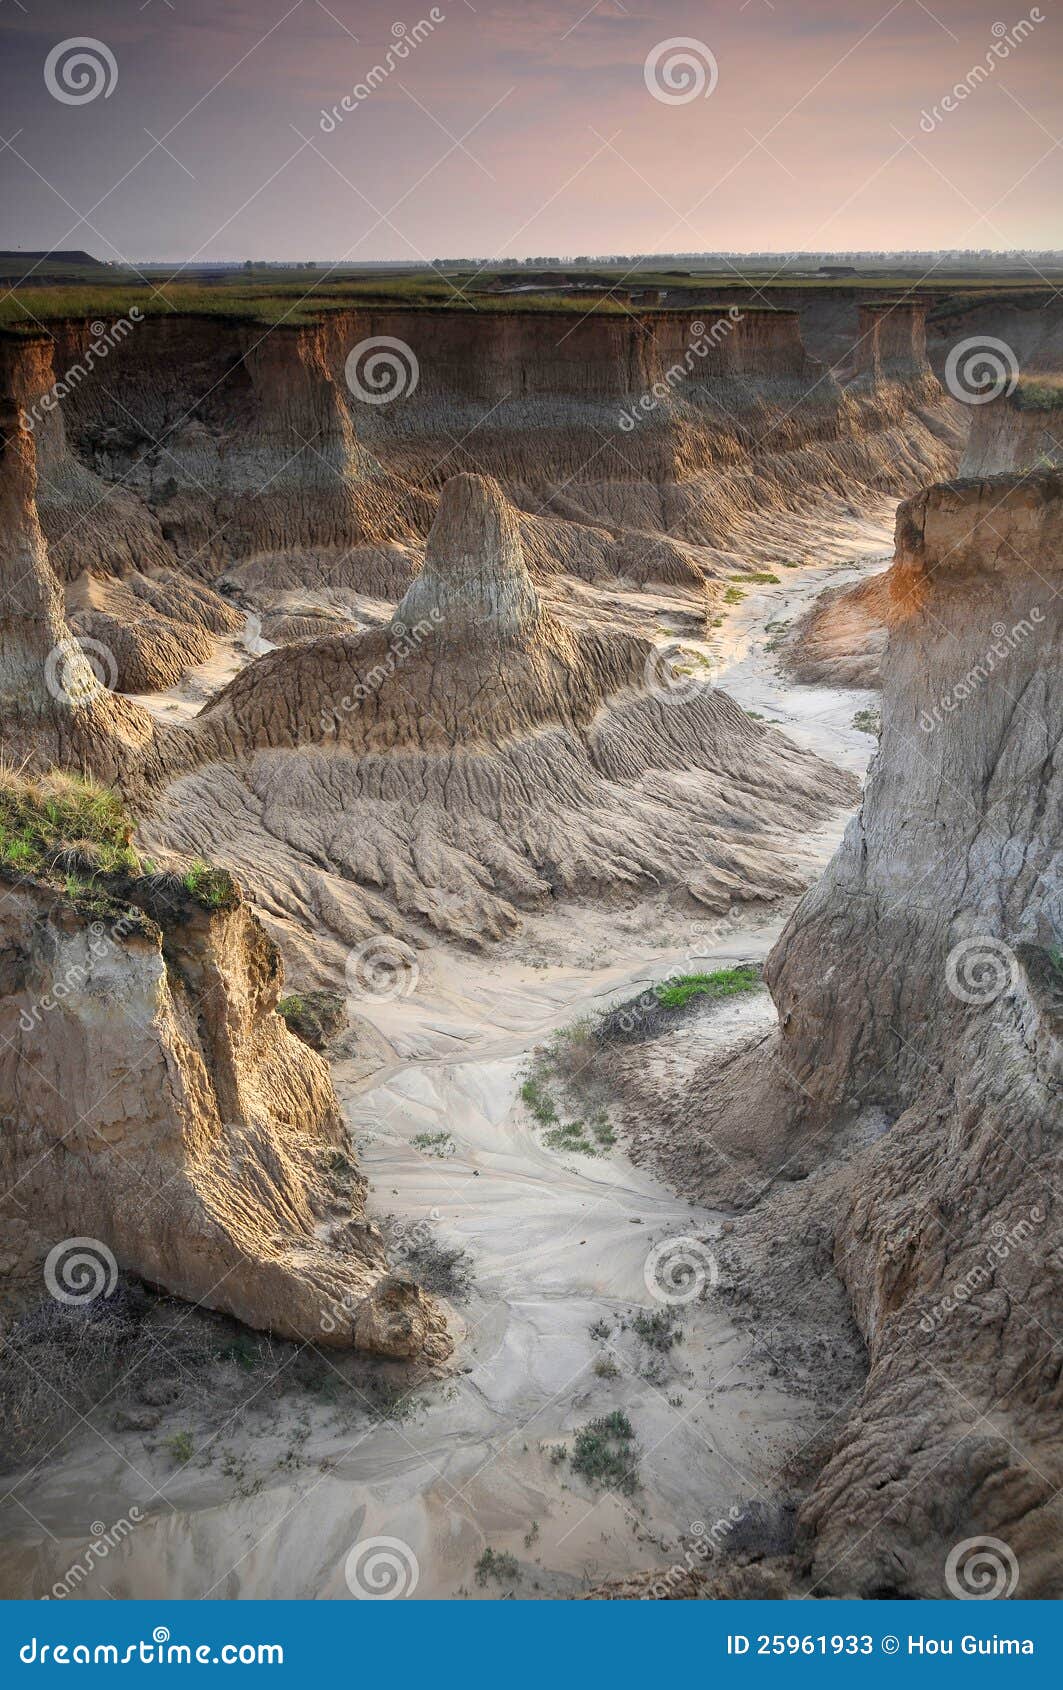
(512, 129)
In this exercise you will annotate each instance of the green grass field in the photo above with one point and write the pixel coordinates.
(301, 297)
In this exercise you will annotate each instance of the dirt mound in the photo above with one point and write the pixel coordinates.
(476, 759)
(841, 640)
(920, 1047)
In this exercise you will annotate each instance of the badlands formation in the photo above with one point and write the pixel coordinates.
(460, 707)
(912, 1086)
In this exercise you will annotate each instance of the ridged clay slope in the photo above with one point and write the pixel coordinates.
(476, 760)
(915, 1085)
(53, 709)
(154, 1101)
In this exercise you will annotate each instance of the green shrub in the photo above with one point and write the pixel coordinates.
(658, 1329)
(868, 722)
(604, 1455)
(436, 1144)
(498, 1565)
(181, 1447)
(538, 1102)
(570, 1136)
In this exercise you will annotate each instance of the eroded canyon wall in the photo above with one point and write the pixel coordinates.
(919, 988)
(243, 439)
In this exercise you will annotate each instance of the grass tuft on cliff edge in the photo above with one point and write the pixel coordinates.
(63, 828)
(76, 836)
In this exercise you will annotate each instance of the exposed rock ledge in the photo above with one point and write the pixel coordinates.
(154, 1101)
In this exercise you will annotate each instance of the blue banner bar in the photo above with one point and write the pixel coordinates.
(538, 1645)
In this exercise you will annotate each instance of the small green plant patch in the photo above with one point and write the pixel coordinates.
(722, 983)
(657, 1328)
(66, 828)
(604, 1453)
(243, 1351)
(433, 1144)
(181, 1447)
(1042, 394)
(498, 1565)
(868, 722)
(733, 595)
(569, 1135)
(538, 1101)
(213, 888)
(584, 1138)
